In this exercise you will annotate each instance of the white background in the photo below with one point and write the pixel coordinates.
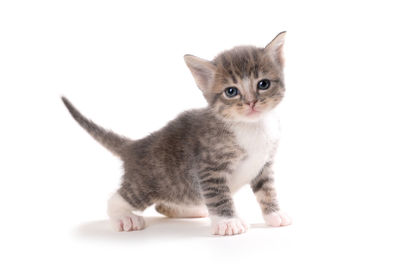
(121, 63)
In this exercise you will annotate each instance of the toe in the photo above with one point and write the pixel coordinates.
(238, 228)
(127, 224)
(244, 225)
(222, 229)
(229, 229)
(273, 219)
(286, 220)
(117, 225)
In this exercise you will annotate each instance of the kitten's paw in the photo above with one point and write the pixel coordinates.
(231, 226)
(276, 219)
(127, 223)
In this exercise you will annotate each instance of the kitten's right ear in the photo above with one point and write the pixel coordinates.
(275, 49)
(202, 70)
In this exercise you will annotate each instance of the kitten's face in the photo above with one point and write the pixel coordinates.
(244, 83)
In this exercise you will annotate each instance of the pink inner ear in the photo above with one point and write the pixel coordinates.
(202, 71)
(275, 48)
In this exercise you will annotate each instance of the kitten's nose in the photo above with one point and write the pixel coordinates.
(252, 103)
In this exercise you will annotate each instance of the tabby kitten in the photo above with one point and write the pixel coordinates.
(192, 166)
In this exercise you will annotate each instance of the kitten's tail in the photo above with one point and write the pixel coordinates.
(110, 140)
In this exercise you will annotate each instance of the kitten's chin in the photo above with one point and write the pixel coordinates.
(248, 117)
(253, 116)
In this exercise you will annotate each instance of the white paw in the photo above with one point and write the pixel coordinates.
(232, 226)
(127, 223)
(276, 219)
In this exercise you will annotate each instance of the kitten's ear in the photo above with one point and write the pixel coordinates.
(202, 70)
(275, 49)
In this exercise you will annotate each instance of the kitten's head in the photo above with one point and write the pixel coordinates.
(244, 83)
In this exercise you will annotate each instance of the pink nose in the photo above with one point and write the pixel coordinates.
(252, 103)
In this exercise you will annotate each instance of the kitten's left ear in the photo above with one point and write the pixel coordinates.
(275, 49)
(202, 70)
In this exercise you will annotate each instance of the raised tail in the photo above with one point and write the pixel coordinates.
(110, 140)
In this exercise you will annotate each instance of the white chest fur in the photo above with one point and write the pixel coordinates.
(259, 141)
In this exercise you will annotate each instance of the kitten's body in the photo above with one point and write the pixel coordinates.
(202, 157)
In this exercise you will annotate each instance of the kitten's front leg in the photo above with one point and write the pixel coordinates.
(218, 199)
(263, 188)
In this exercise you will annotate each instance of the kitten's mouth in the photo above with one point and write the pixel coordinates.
(252, 112)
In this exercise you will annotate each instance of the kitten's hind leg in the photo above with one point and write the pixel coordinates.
(121, 216)
(181, 211)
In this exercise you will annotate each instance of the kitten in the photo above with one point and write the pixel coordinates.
(192, 166)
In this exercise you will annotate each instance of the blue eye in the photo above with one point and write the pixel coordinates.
(231, 91)
(263, 84)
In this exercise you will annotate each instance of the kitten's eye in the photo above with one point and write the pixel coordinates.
(231, 91)
(263, 84)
